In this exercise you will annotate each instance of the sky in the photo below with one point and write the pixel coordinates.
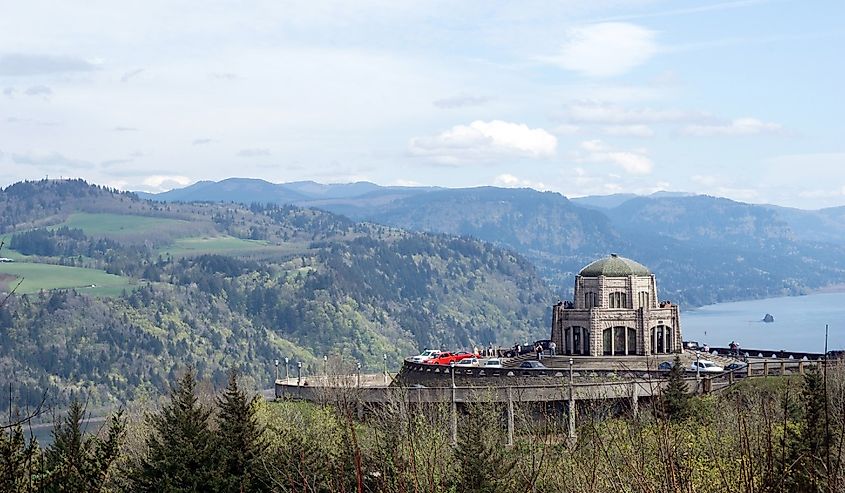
(741, 99)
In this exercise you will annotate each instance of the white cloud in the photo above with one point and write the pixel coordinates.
(614, 114)
(566, 129)
(253, 152)
(737, 127)
(634, 162)
(605, 49)
(642, 131)
(484, 141)
(508, 180)
(160, 183)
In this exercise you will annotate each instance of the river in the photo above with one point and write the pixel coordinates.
(799, 323)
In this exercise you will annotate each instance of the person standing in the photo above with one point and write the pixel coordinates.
(552, 348)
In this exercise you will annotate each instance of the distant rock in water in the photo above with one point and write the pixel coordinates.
(768, 318)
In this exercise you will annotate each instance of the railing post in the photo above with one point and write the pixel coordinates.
(730, 378)
(748, 369)
(782, 368)
(801, 367)
(766, 368)
(510, 416)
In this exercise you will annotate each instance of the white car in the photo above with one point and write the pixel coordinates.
(705, 366)
(467, 362)
(493, 363)
(426, 355)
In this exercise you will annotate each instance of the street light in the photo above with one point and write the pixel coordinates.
(570, 371)
(359, 373)
(277, 369)
(452, 367)
(287, 371)
(384, 357)
(697, 368)
(326, 366)
(299, 373)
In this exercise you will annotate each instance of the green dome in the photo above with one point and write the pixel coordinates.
(614, 266)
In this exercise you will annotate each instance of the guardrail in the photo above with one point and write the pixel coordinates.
(762, 353)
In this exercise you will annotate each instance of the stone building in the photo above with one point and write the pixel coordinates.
(616, 312)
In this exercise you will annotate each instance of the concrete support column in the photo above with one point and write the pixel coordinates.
(510, 416)
(454, 418)
(571, 402)
(635, 399)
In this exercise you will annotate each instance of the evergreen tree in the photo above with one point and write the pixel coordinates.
(240, 440)
(814, 437)
(180, 446)
(483, 465)
(19, 462)
(675, 398)
(79, 462)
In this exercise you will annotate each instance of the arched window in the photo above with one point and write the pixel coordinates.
(643, 299)
(619, 341)
(585, 335)
(618, 300)
(661, 339)
(566, 345)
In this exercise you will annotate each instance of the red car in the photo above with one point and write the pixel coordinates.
(446, 358)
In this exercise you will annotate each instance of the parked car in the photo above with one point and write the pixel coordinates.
(519, 349)
(471, 361)
(665, 366)
(737, 366)
(426, 355)
(532, 365)
(447, 358)
(691, 345)
(492, 363)
(705, 366)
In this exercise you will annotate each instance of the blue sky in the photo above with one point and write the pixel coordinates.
(741, 99)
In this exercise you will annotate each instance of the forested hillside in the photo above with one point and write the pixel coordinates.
(703, 249)
(236, 286)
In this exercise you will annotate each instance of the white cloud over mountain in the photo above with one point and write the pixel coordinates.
(605, 49)
(634, 162)
(734, 128)
(483, 141)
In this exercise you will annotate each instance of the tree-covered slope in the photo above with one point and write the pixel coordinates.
(332, 287)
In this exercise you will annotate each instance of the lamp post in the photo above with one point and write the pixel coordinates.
(358, 364)
(452, 368)
(299, 373)
(287, 371)
(277, 369)
(571, 361)
(326, 367)
(697, 368)
(384, 357)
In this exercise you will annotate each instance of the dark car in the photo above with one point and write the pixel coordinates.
(665, 366)
(544, 343)
(532, 365)
(737, 367)
(518, 350)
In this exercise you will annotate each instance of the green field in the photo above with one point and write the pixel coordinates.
(39, 277)
(223, 245)
(121, 224)
(6, 252)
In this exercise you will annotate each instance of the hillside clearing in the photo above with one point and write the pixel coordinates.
(39, 277)
(225, 245)
(118, 225)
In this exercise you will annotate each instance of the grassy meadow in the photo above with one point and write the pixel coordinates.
(39, 277)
